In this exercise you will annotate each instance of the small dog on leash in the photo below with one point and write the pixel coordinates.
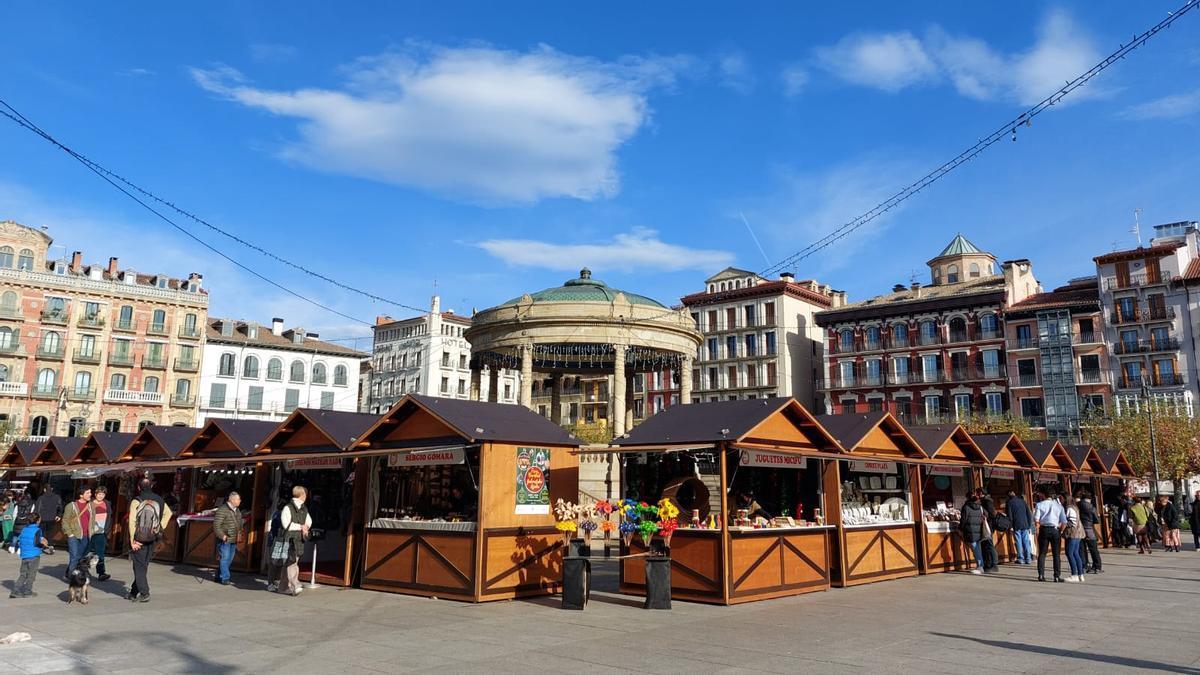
(79, 579)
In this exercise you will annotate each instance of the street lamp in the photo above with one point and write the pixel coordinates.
(1153, 444)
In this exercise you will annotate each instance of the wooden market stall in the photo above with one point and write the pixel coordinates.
(1054, 466)
(1086, 482)
(15, 463)
(51, 469)
(459, 499)
(154, 453)
(226, 451)
(310, 447)
(96, 464)
(946, 479)
(708, 457)
(1008, 469)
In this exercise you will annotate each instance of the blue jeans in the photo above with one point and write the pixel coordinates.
(1074, 557)
(75, 549)
(97, 544)
(226, 551)
(977, 549)
(1024, 541)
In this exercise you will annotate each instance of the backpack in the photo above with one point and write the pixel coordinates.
(1003, 523)
(147, 523)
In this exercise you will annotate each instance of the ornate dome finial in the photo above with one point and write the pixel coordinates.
(585, 273)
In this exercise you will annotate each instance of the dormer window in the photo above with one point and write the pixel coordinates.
(161, 282)
(60, 267)
(25, 260)
(298, 337)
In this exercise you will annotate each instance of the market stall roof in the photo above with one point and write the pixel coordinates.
(104, 446)
(420, 421)
(1086, 458)
(158, 443)
(777, 422)
(222, 438)
(1051, 455)
(1004, 449)
(314, 430)
(22, 453)
(1122, 467)
(875, 433)
(58, 450)
(947, 442)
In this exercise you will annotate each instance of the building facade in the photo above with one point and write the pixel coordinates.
(426, 355)
(1058, 362)
(928, 353)
(759, 336)
(1146, 296)
(258, 372)
(93, 347)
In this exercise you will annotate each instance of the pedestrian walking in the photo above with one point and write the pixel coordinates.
(1022, 525)
(50, 509)
(972, 524)
(102, 515)
(1194, 520)
(30, 545)
(1168, 519)
(991, 561)
(23, 507)
(227, 528)
(1075, 536)
(148, 517)
(1090, 520)
(294, 524)
(1126, 533)
(77, 524)
(8, 512)
(1050, 519)
(1141, 517)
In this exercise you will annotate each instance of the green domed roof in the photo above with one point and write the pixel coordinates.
(585, 289)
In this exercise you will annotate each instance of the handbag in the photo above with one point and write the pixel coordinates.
(279, 551)
(1003, 523)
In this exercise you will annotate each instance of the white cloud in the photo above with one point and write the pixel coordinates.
(1167, 107)
(795, 78)
(640, 249)
(735, 72)
(489, 124)
(887, 61)
(895, 61)
(136, 72)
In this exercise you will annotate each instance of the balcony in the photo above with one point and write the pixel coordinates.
(1023, 343)
(1035, 421)
(45, 391)
(1120, 318)
(1136, 280)
(93, 321)
(86, 356)
(51, 353)
(120, 359)
(154, 362)
(182, 401)
(157, 329)
(10, 349)
(959, 336)
(1159, 314)
(1026, 380)
(1162, 345)
(189, 332)
(1169, 380)
(218, 403)
(1127, 347)
(187, 365)
(55, 316)
(11, 313)
(1141, 314)
(1087, 338)
(80, 394)
(13, 389)
(1091, 377)
(926, 340)
(125, 325)
(990, 334)
(133, 397)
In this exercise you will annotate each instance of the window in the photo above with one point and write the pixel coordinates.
(275, 369)
(962, 405)
(769, 338)
(995, 402)
(327, 400)
(183, 389)
(1129, 342)
(318, 374)
(847, 407)
(25, 260)
(159, 321)
(730, 318)
(933, 407)
(731, 347)
(418, 360)
(1126, 310)
(8, 302)
(991, 363)
(900, 335)
(189, 324)
(462, 386)
(87, 345)
(733, 377)
(112, 425)
(39, 426)
(974, 270)
(1091, 403)
(1164, 372)
(339, 375)
(6, 256)
(771, 374)
(846, 370)
(751, 345)
(77, 427)
(1133, 373)
(989, 326)
(874, 372)
(462, 361)
(769, 313)
(958, 329)
(1032, 410)
(125, 317)
(254, 398)
(1160, 338)
(6, 338)
(226, 367)
(929, 332)
(749, 311)
(416, 385)
(143, 424)
(929, 367)
(507, 392)
(150, 384)
(846, 340)
(216, 395)
(952, 274)
(751, 375)
(117, 381)
(83, 383)
(445, 359)
(291, 399)
(445, 385)
(874, 405)
(3, 373)
(51, 342)
(713, 354)
(250, 367)
(713, 380)
(712, 320)
(296, 371)
(1026, 372)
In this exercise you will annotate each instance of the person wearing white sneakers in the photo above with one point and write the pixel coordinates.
(1075, 535)
(973, 525)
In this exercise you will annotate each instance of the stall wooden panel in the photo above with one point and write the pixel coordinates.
(878, 552)
(420, 562)
(946, 551)
(200, 547)
(695, 566)
(168, 547)
(767, 563)
(521, 561)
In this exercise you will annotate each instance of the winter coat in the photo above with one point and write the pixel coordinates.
(1088, 515)
(49, 506)
(1194, 518)
(1074, 524)
(1169, 517)
(1019, 514)
(973, 522)
(227, 523)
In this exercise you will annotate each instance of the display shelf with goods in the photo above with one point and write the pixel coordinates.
(945, 481)
(1009, 467)
(459, 499)
(747, 478)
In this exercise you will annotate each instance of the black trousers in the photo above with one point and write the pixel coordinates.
(1049, 541)
(141, 565)
(1092, 551)
(990, 561)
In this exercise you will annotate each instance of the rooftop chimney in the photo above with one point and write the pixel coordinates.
(381, 319)
(435, 305)
(897, 288)
(916, 289)
(787, 276)
(112, 268)
(277, 326)
(76, 262)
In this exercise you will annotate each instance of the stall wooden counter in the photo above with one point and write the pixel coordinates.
(512, 548)
(953, 456)
(1009, 467)
(731, 564)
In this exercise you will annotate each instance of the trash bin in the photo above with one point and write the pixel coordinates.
(580, 547)
(577, 582)
(658, 583)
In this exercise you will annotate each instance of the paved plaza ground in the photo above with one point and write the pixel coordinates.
(1139, 616)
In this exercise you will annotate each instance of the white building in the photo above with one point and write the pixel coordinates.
(250, 371)
(427, 355)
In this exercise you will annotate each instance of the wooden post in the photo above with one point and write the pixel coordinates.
(724, 573)
(832, 482)
(917, 489)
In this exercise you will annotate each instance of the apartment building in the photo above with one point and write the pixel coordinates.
(427, 355)
(932, 352)
(1058, 362)
(88, 347)
(1146, 296)
(249, 371)
(584, 399)
(759, 336)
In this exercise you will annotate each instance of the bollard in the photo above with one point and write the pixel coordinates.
(577, 582)
(658, 583)
(580, 547)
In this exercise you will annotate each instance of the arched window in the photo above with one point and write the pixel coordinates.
(274, 369)
(937, 275)
(929, 332)
(51, 342)
(847, 340)
(8, 301)
(77, 427)
(183, 388)
(159, 322)
(117, 381)
(250, 367)
(25, 260)
(45, 381)
(39, 426)
(143, 424)
(958, 329)
(150, 384)
(318, 376)
(7, 338)
(125, 317)
(339, 375)
(952, 274)
(872, 337)
(6, 256)
(83, 383)
(974, 270)
(226, 366)
(3, 373)
(988, 325)
(296, 371)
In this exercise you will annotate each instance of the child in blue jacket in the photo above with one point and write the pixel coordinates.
(29, 544)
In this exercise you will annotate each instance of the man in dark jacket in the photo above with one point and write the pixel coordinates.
(227, 529)
(1090, 521)
(1022, 525)
(973, 525)
(50, 507)
(1194, 520)
(991, 561)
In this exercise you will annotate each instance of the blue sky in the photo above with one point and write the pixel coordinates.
(498, 147)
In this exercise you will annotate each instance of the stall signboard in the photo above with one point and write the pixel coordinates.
(1110, 481)
(315, 463)
(1047, 477)
(533, 481)
(956, 471)
(772, 459)
(872, 466)
(428, 457)
(1002, 473)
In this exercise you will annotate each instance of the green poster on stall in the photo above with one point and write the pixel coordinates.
(533, 481)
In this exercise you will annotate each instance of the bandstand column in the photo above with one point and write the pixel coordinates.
(493, 384)
(556, 398)
(527, 375)
(629, 399)
(619, 402)
(685, 380)
(476, 381)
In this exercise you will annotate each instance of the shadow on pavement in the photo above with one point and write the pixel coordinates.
(169, 642)
(1073, 654)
